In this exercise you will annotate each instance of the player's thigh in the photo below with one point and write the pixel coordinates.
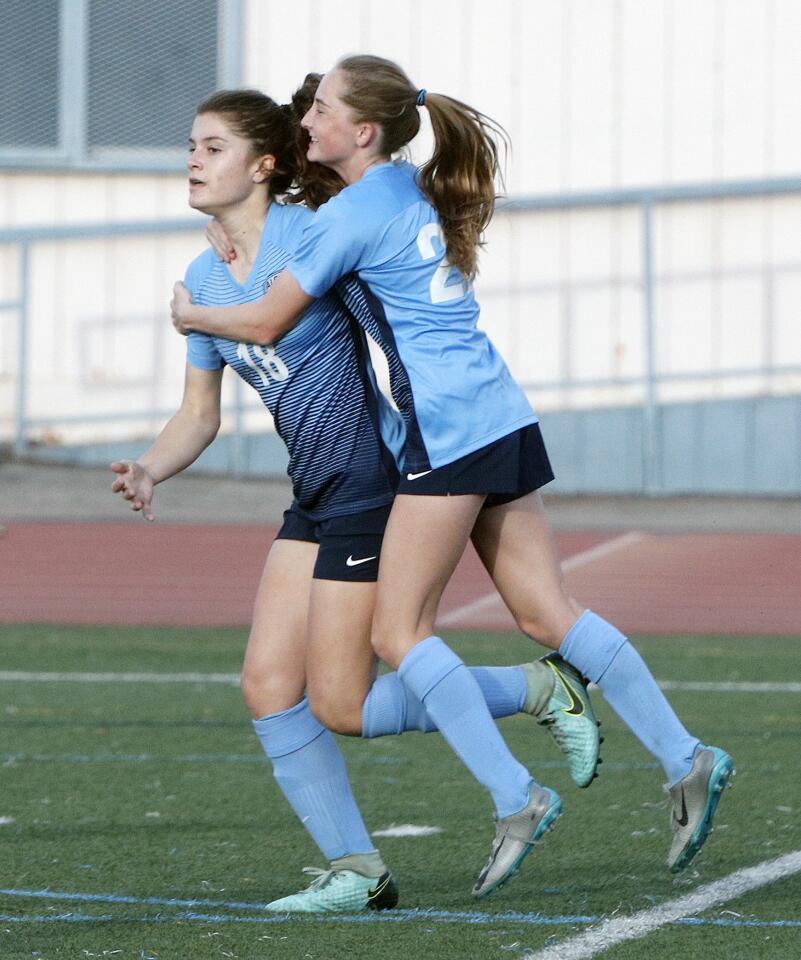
(516, 545)
(340, 662)
(424, 539)
(274, 670)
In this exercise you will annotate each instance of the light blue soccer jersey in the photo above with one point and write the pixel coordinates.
(449, 382)
(314, 380)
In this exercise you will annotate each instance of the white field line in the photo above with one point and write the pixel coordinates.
(232, 679)
(407, 830)
(577, 560)
(621, 929)
(732, 686)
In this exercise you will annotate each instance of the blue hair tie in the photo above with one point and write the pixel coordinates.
(421, 97)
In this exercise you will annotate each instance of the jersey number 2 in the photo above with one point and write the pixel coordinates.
(440, 289)
(266, 362)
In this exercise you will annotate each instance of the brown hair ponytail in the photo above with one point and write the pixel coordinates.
(460, 178)
(314, 183)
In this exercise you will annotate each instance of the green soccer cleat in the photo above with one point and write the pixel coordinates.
(570, 718)
(694, 800)
(515, 837)
(340, 891)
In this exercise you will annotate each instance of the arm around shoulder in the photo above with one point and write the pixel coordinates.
(262, 321)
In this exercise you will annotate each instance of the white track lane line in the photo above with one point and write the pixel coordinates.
(621, 929)
(453, 617)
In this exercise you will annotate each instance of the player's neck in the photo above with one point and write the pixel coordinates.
(355, 167)
(244, 226)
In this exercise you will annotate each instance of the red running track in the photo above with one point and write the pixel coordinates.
(186, 575)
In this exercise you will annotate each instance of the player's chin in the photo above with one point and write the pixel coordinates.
(201, 204)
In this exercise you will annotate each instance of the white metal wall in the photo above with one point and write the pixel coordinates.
(595, 93)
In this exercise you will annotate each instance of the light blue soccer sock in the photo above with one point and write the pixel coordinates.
(605, 656)
(452, 697)
(310, 770)
(391, 708)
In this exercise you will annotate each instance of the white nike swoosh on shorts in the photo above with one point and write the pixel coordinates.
(355, 563)
(416, 476)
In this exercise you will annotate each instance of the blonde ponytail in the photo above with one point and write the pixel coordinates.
(460, 178)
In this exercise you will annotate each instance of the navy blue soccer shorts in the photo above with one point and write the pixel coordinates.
(350, 545)
(505, 470)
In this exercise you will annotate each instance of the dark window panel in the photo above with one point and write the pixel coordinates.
(29, 65)
(150, 63)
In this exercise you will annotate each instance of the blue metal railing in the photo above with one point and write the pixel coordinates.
(24, 238)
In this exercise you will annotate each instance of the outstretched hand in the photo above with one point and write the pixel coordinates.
(218, 239)
(179, 307)
(135, 484)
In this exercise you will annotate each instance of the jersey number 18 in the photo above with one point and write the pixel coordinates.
(264, 361)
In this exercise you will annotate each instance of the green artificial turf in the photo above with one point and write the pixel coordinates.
(117, 798)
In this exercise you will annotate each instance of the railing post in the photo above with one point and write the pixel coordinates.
(21, 407)
(231, 44)
(651, 454)
(239, 429)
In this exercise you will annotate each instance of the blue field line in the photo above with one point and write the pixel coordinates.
(387, 916)
(136, 901)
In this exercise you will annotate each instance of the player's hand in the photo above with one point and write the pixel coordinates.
(218, 239)
(179, 307)
(135, 484)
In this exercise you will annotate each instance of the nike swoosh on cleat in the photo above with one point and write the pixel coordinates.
(384, 895)
(683, 820)
(378, 889)
(576, 708)
(416, 476)
(350, 562)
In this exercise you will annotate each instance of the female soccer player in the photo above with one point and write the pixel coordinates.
(474, 458)
(243, 154)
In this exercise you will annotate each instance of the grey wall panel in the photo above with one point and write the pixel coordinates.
(777, 445)
(743, 447)
(595, 450)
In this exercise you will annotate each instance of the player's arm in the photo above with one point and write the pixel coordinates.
(262, 321)
(185, 436)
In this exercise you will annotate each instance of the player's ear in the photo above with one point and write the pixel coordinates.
(265, 168)
(368, 134)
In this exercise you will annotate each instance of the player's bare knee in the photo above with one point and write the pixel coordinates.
(385, 644)
(250, 690)
(268, 692)
(543, 630)
(340, 714)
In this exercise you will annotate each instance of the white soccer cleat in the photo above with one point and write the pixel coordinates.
(515, 837)
(694, 801)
